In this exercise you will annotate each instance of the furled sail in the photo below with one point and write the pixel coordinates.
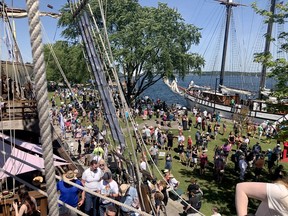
(174, 86)
(192, 85)
(266, 92)
(226, 90)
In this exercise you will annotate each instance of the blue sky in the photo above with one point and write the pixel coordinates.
(205, 14)
(51, 32)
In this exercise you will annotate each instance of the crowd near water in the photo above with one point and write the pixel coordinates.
(184, 135)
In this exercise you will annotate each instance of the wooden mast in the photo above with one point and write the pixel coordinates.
(229, 4)
(267, 48)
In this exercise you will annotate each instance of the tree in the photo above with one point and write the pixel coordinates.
(70, 57)
(277, 67)
(147, 43)
(282, 134)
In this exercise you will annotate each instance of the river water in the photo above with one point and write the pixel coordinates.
(161, 91)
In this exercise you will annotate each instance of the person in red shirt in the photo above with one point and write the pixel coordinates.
(203, 162)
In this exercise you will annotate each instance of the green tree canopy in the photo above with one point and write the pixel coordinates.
(277, 67)
(147, 43)
(70, 57)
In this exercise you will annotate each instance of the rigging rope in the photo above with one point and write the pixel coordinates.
(62, 73)
(68, 182)
(122, 98)
(125, 105)
(42, 102)
(123, 101)
(115, 75)
(18, 54)
(175, 192)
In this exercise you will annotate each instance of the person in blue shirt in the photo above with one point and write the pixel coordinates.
(69, 194)
(129, 196)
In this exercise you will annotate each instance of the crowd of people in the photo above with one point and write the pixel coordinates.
(238, 147)
(189, 147)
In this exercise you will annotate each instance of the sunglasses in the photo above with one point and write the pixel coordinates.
(101, 165)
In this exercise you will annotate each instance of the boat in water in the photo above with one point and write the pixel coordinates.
(232, 103)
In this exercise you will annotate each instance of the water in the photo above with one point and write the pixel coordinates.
(161, 91)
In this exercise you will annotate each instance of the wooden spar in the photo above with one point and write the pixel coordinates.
(229, 4)
(267, 48)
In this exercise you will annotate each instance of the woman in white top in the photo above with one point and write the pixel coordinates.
(273, 197)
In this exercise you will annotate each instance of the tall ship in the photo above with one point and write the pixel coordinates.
(232, 102)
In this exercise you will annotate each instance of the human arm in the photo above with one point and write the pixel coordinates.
(80, 203)
(83, 194)
(136, 202)
(114, 195)
(246, 190)
(15, 206)
(157, 209)
(21, 211)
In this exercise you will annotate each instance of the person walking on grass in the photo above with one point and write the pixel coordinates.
(170, 138)
(243, 167)
(154, 151)
(168, 162)
(259, 164)
(203, 162)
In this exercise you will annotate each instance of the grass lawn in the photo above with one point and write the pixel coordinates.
(215, 194)
(220, 195)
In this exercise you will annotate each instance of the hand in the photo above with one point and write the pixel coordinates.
(15, 205)
(80, 203)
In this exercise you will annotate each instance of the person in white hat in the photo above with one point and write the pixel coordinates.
(173, 182)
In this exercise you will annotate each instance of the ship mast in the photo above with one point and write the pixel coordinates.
(229, 4)
(267, 48)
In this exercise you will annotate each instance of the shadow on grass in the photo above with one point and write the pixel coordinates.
(222, 195)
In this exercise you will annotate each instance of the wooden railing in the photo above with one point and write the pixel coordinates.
(19, 110)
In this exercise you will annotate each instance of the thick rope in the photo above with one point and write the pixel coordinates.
(70, 183)
(42, 103)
